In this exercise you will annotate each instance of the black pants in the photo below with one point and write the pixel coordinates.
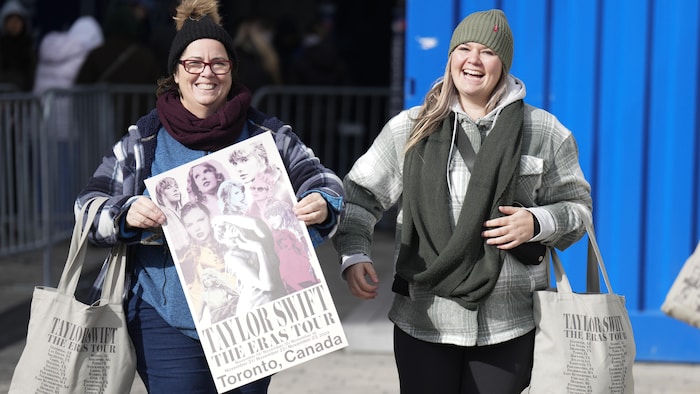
(428, 368)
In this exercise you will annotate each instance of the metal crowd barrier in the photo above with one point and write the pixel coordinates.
(21, 174)
(80, 126)
(337, 123)
(52, 144)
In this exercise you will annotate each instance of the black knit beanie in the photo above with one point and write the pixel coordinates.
(195, 29)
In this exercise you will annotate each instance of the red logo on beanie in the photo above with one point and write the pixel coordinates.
(495, 28)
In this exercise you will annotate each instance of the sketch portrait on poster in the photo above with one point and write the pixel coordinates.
(248, 268)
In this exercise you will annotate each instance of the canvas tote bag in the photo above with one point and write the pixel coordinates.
(683, 299)
(73, 347)
(583, 341)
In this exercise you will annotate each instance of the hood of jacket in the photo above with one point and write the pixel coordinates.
(87, 30)
(61, 54)
(16, 8)
(516, 91)
(83, 36)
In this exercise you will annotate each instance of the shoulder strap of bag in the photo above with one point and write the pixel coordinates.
(78, 246)
(530, 253)
(115, 278)
(465, 149)
(594, 263)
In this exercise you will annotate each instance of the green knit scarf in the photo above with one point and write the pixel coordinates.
(457, 265)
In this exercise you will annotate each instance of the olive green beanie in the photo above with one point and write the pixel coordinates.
(488, 28)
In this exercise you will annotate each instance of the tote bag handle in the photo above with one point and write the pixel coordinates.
(78, 249)
(594, 262)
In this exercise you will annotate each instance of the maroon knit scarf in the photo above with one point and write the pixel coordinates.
(217, 131)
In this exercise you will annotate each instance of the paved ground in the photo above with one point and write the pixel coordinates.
(366, 366)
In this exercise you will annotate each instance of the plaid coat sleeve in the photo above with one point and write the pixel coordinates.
(120, 178)
(373, 185)
(551, 176)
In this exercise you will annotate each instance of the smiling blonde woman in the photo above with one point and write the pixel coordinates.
(481, 176)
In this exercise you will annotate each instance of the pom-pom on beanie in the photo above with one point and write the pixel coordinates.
(488, 28)
(197, 19)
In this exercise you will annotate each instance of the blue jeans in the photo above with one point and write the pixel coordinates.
(170, 362)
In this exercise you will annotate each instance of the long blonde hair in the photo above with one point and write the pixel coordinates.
(436, 105)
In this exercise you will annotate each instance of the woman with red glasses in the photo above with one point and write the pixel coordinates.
(202, 107)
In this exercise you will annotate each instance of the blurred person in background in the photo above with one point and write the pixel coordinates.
(17, 48)
(259, 61)
(62, 53)
(318, 61)
(122, 58)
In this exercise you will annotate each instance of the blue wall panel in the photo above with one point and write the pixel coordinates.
(428, 33)
(672, 137)
(572, 100)
(574, 52)
(622, 75)
(672, 105)
(528, 21)
(618, 202)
